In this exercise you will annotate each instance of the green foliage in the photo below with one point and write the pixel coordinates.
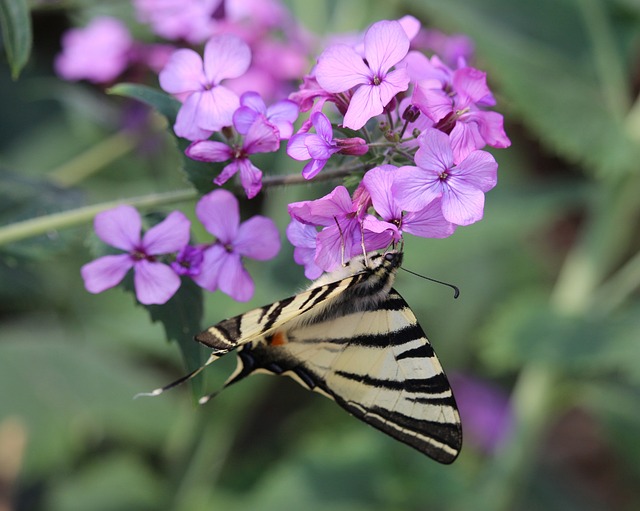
(15, 23)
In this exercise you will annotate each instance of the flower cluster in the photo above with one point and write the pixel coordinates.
(163, 254)
(408, 129)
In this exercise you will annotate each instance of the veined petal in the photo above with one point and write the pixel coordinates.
(225, 56)
(410, 25)
(170, 235)
(297, 148)
(337, 203)
(208, 150)
(491, 125)
(216, 108)
(254, 101)
(365, 104)
(340, 68)
(465, 138)
(219, 212)
(155, 282)
(385, 44)
(234, 280)
(329, 248)
(462, 204)
(319, 148)
(183, 73)
(471, 84)
(258, 238)
(435, 154)
(227, 173)
(301, 235)
(479, 169)
(378, 233)
(394, 82)
(105, 272)
(212, 261)
(414, 189)
(433, 102)
(186, 121)
(428, 222)
(119, 227)
(262, 137)
(243, 118)
(378, 182)
(283, 110)
(312, 168)
(250, 177)
(323, 126)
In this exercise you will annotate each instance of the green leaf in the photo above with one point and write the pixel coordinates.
(566, 80)
(165, 104)
(16, 33)
(200, 174)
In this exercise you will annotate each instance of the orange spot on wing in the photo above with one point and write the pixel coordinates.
(278, 339)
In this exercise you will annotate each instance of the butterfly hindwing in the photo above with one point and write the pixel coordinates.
(375, 363)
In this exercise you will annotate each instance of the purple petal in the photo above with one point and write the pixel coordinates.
(234, 280)
(385, 44)
(491, 125)
(435, 154)
(262, 137)
(319, 148)
(170, 235)
(471, 84)
(186, 121)
(462, 203)
(341, 68)
(105, 272)
(227, 173)
(283, 114)
(378, 182)
(428, 222)
(414, 189)
(119, 227)
(155, 282)
(258, 238)
(479, 169)
(218, 211)
(365, 104)
(379, 234)
(250, 177)
(329, 248)
(312, 168)
(183, 73)
(323, 211)
(323, 126)
(225, 56)
(243, 118)
(208, 150)
(465, 138)
(212, 262)
(410, 25)
(433, 102)
(297, 148)
(303, 238)
(253, 101)
(216, 108)
(396, 81)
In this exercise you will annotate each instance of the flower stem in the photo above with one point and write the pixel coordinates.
(44, 224)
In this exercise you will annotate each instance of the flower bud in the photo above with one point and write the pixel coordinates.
(355, 146)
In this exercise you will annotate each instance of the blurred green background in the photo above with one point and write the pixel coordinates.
(549, 315)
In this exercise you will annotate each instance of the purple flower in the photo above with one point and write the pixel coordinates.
(426, 223)
(282, 114)
(257, 238)
(178, 19)
(188, 261)
(120, 227)
(452, 101)
(321, 145)
(460, 185)
(303, 238)
(98, 53)
(341, 236)
(341, 68)
(262, 137)
(207, 105)
(484, 410)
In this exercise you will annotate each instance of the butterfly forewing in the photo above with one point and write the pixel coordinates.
(354, 339)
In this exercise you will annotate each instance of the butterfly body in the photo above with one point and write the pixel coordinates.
(351, 337)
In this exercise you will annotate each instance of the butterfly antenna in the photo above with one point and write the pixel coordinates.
(179, 381)
(456, 291)
(341, 240)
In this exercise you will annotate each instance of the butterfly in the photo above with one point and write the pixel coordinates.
(351, 337)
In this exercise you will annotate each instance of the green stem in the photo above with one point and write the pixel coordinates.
(609, 65)
(93, 159)
(43, 224)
